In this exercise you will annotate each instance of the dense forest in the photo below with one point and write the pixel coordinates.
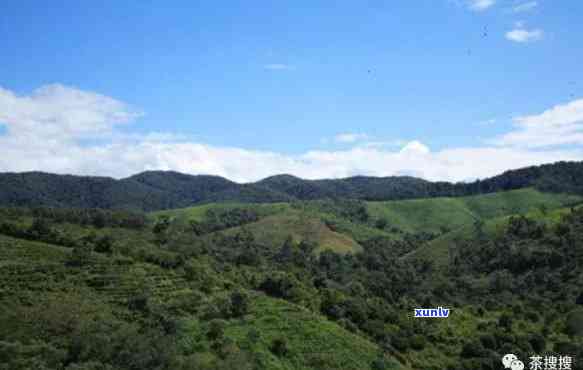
(156, 190)
(213, 288)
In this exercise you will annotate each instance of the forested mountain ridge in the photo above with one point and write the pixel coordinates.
(156, 190)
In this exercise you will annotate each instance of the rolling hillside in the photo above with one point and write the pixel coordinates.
(438, 249)
(273, 231)
(215, 286)
(111, 287)
(437, 214)
(314, 222)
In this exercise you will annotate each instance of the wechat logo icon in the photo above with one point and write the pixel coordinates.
(512, 362)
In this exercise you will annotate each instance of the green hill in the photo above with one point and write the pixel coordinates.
(158, 190)
(215, 286)
(313, 341)
(112, 285)
(438, 214)
(277, 221)
(198, 213)
(273, 231)
(329, 223)
(438, 250)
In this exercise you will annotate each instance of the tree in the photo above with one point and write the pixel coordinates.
(279, 347)
(104, 244)
(472, 349)
(505, 321)
(239, 303)
(198, 228)
(362, 214)
(80, 255)
(139, 302)
(488, 341)
(538, 342)
(40, 227)
(574, 324)
(381, 363)
(98, 219)
(160, 229)
(286, 252)
(306, 253)
(216, 330)
(418, 342)
(479, 228)
(381, 223)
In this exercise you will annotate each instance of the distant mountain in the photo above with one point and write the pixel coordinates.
(156, 190)
(359, 187)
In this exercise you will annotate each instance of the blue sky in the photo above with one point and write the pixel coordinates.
(318, 89)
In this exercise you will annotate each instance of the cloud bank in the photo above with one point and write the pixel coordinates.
(49, 130)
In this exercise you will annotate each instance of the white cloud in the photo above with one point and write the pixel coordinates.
(414, 147)
(481, 5)
(278, 67)
(525, 7)
(56, 111)
(560, 125)
(45, 131)
(349, 137)
(522, 35)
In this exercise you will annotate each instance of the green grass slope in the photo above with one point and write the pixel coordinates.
(437, 250)
(273, 231)
(38, 271)
(331, 232)
(27, 264)
(434, 214)
(313, 342)
(280, 220)
(197, 213)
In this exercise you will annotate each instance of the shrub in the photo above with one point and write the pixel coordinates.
(139, 302)
(381, 223)
(216, 330)
(532, 316)
(80, 256)
(279, 347)
(104, 244)
(418, 342)
(382, 363)
(574, 324)
(239, 303)
(400, 342)
(566, 347)
(472, 349)
(488, 341)
(505, 321)
(40, 227)
(538, 343)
